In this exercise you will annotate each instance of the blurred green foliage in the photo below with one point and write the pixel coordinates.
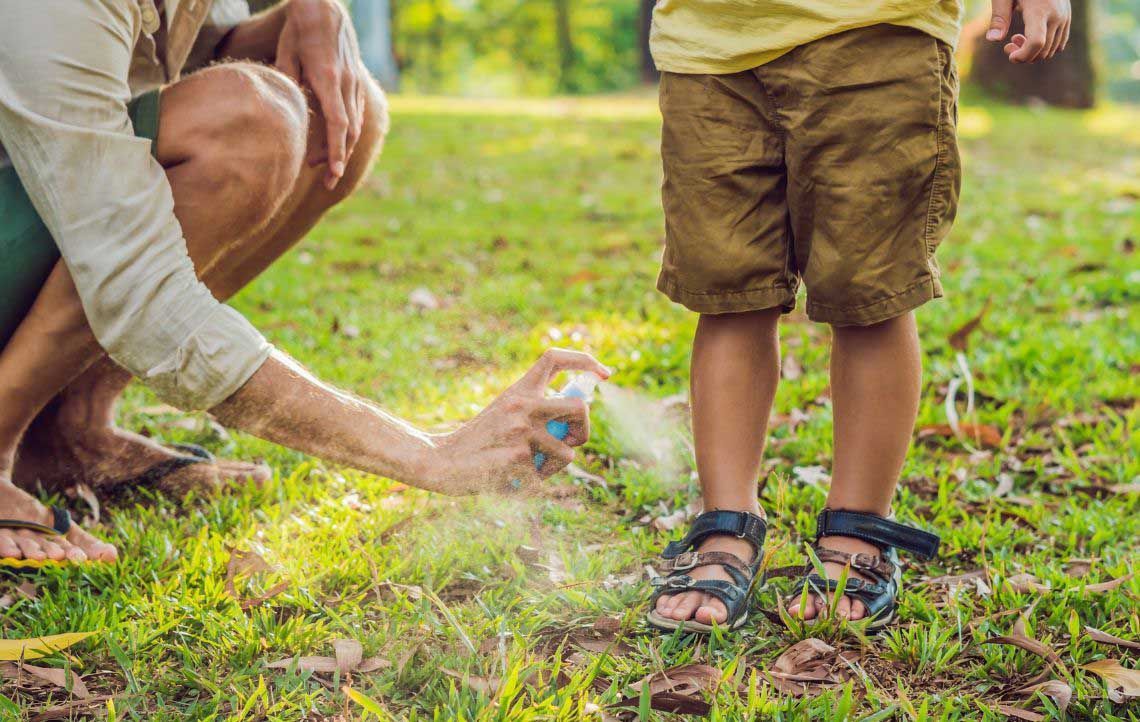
(508, 47)
(512, 47)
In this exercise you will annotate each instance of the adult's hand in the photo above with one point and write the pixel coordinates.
(1047, 25)
(317, 47)
(497, 447)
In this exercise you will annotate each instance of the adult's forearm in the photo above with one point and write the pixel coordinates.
(285, 404)
(255, 39)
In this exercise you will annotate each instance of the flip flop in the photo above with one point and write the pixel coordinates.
(61, 524)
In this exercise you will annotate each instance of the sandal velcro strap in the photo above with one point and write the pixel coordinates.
(741, 524)
(61, 523)
(876, 530)
(691, 560)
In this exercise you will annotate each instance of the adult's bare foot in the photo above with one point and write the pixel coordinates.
(75, 546)
(58, 454)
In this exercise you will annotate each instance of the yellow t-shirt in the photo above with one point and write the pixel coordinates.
(727, 36)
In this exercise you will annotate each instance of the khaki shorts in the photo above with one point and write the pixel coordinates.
(27, 251)
(836, 163)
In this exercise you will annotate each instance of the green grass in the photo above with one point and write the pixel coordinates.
(534, 220)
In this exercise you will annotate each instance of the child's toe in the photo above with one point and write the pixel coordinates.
(686, 606)
(711, 610)
(843, 608)
(807, 611)
(858, 610)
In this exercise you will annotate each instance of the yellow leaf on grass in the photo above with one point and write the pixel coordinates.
(367, 703)
(36, 647)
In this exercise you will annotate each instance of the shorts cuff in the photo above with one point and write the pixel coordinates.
(757, 299)
(879, 311)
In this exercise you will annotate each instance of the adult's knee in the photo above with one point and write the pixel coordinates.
(251, 135)
(376, 122)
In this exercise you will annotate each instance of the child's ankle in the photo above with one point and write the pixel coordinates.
(751, 508)
(850, 545)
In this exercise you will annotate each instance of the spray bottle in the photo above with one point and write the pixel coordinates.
(580, 386)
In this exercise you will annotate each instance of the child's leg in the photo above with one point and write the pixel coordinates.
(875, 385)
(735, 369)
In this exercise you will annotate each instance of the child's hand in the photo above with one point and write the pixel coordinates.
(1046, 28)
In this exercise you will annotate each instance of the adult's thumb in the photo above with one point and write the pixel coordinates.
(1000, 19)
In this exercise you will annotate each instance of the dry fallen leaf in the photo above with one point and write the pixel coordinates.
(1105, 638)
(808, 667)
(1024, 583)
(960, 339)
(1123, 683)
(790, 368)
(70, 709)
(62, 678)
(1057, 690)
(1079, 567)
(1105, 586)
(811, 475)
(485, 685)
(1004, 484)
(679, 690)
(985, 436)
(27, 590)
(1020, 639)
(349, 658)
(669, 522)
(953, 579)
(349, 654)
(245, 563)
(555, 568)
(424, 299)
(87, 494)
(1019, 713)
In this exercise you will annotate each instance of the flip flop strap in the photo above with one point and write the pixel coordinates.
(61, 523)
(193, 450)
(159, 471)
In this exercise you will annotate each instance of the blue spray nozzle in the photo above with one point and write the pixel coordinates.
(580, 387)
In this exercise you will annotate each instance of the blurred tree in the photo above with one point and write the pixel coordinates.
(1067, 80)
(373, 21)
(566, 52)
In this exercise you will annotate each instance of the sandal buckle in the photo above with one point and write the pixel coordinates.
(684, 561)
(864, 562)
(743, 531)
